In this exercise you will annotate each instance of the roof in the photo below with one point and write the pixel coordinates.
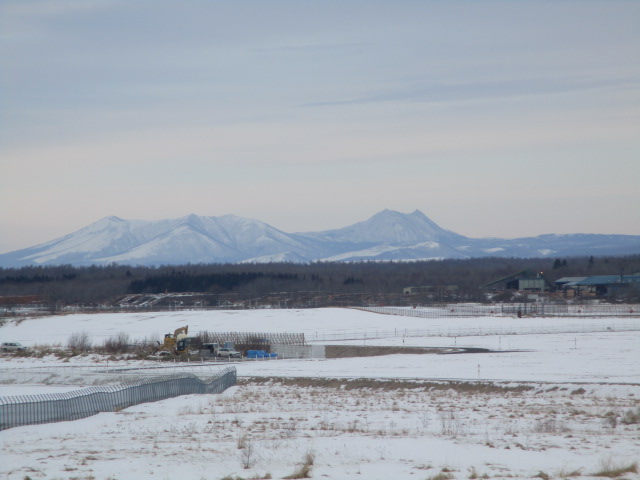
(569, 279)
(524, 274)
(608, 280)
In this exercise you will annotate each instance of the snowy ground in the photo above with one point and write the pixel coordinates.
(560, 404)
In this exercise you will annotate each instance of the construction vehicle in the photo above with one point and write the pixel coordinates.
(177, 342)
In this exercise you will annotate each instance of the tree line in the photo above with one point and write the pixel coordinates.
(182, 281)
(449, 280)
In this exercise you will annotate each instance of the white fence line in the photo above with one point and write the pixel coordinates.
(511, 310)
(348, 334)
(526, 326)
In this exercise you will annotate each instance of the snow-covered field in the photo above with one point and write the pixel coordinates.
(564, 404)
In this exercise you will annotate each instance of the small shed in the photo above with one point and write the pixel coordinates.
(418, 289)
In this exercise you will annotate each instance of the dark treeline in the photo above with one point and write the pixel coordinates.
(182, 281)
(377, 280)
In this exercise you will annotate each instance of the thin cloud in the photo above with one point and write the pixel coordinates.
(488, 90)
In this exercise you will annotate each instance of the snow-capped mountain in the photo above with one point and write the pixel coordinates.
(388, 235)
(390, 227)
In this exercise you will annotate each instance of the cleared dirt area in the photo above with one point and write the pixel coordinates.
(345, 351)
(461, 387)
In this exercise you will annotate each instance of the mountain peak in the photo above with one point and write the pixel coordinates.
(393, 227)
(192, 220)
(387, 213)
(387, 235)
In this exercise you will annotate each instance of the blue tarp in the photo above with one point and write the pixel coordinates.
(260, 354)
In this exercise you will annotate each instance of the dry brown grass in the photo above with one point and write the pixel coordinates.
(610, 470)
(389, 385)
(542, 475)
(442, 476)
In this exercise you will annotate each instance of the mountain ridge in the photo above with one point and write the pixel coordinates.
(386, 236)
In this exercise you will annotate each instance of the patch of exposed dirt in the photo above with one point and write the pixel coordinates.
(344, 351)
(387, 384)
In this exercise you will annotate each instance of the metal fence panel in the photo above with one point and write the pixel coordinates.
(584, 319)
(47, 408)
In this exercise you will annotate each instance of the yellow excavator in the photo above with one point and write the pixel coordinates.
(177, 342)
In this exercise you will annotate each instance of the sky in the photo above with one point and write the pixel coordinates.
(494, 118)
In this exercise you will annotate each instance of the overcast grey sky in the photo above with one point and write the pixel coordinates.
(494, 118)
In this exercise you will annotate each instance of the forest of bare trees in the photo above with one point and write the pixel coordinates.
(379, 282)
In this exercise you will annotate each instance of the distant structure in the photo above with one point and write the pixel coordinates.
(569, 287)
(598, 285)
(524, 281)
(429, 289)
(439, 292)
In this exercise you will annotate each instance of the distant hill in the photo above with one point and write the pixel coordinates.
(387, 236)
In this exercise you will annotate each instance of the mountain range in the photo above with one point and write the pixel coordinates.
(387, 236)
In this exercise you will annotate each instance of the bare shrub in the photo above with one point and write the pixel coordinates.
(309, 458)
(424, 419)
(451, 423)
(304, 470)
(118, 344)
(79, 342)
(610, 419)
(247, 455)
(242, 440)
(146, 347)
(631, 417)
(550, 425)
